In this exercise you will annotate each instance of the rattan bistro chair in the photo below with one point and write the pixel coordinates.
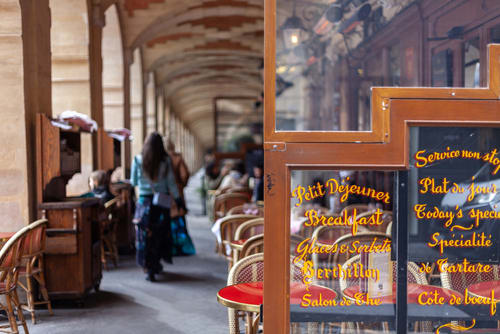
(108, 225)
(386, 219)
(414, 276)
(33, 268)
(10, 261)
(246, 209)
(253, 245)
(459, 281)
(228, 226)
(249, 229)
(225, 202)
(251, 269)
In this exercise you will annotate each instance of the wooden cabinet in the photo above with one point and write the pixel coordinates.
(72, 260)
(109, 151)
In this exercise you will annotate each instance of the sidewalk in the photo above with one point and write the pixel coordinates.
(182, 301)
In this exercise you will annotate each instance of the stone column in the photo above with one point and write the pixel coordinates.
(37, 82)
(136, 103)
(24, 57)
(97, 23)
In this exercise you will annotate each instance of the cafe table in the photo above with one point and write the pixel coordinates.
(484, 289)
(248, 297)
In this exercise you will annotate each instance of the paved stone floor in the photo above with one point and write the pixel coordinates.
(182, 301)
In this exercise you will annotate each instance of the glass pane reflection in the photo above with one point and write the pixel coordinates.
(329, 53)
(341, 268)
(453, 198)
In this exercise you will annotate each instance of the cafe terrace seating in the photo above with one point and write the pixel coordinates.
(252, 245)
(414, 276)
(251, 269)
(249, 228)
(245, 231)
(326, 235)
(225, 202)
(32, 268)
(10, 260)
(336, 258)
(386, 219)
(228, 226)
(365, 238)
(459, 281)
(108, 227)
(247, 209)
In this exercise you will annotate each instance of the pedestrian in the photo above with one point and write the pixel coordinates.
(152, 173)
(182, 243)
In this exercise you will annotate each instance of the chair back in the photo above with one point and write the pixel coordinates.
(388, 231)
(251, 269)
(307, 231)
(225, 202)
(247, 209)
(249, 229)
(413, 274)
(346, 241)
(386, 219)
(459, 281)
(228, 226)
(253, 245)
(326, 236)
(35, 238)
(365, 238)
(10, 258)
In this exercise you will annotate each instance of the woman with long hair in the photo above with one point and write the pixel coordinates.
(152, 173)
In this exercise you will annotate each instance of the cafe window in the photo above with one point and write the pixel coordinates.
(330, 286)
(471, 59)
(452, 201)
(495, 34)
(442, 69)
(394, 66)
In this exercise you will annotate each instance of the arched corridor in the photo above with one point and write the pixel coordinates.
(249, 166)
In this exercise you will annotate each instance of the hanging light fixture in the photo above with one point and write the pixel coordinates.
(293, 30)
(331, 17)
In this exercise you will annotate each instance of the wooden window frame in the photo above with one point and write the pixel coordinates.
(386, 147)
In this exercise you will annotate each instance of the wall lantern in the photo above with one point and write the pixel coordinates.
(293, 30)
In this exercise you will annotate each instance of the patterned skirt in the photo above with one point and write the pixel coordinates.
(153, 235)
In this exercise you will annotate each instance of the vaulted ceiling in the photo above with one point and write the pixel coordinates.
(198, 50)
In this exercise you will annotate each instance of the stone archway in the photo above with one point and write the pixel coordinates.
(112, 71)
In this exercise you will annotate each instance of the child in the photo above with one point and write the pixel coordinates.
(99, 186)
